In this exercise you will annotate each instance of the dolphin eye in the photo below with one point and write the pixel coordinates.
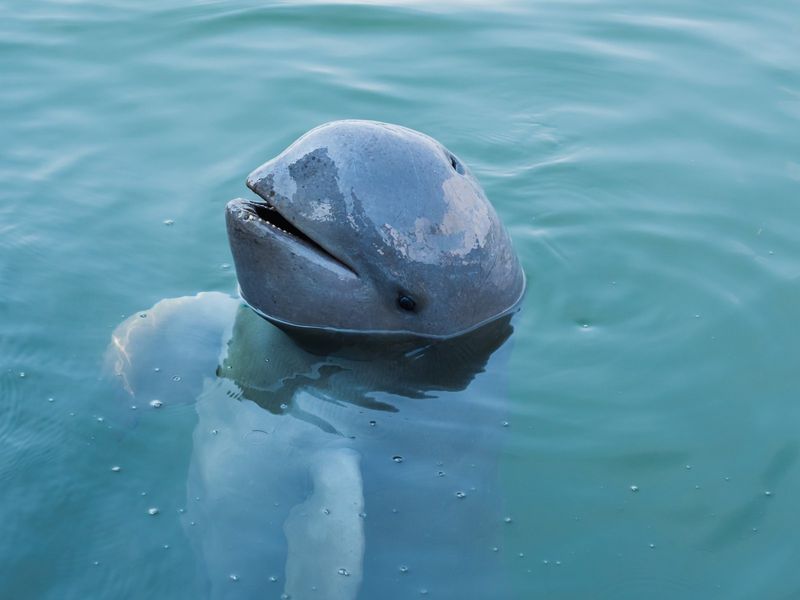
(406, 303)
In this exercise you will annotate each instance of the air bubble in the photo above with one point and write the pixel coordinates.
(397, 458)
(116, 469)
(344, 572)
(403, 569)
(152, 511)
(156, 403)
(634, 488)
(460, 494)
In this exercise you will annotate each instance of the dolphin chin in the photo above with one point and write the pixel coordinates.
(370, 227)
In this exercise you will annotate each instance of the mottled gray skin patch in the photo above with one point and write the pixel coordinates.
(400, 214)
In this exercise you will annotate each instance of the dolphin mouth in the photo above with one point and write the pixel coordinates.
(267, 213)
(268, 219)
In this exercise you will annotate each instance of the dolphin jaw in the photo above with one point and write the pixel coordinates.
(264, 219)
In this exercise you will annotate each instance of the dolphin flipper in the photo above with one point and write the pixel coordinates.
(167, 351)
(325, 534)
(270, 494)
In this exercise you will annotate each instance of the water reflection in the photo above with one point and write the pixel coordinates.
(269, 365)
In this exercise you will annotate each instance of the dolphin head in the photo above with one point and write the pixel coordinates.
(367, 227)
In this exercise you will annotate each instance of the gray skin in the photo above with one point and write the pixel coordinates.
(356, 215)
(306, 417)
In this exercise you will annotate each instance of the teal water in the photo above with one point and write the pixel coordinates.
(645, 157)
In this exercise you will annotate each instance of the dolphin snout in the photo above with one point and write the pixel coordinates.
(260, 181)
(253, 179)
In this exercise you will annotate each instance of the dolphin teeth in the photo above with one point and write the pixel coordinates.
(266, 213)
(264, 219)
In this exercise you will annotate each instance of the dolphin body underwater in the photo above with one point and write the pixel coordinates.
(335, 454)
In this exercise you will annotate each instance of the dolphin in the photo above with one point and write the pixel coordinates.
(376, 282)
(375, 228)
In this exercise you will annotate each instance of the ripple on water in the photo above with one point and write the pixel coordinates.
(642, 156)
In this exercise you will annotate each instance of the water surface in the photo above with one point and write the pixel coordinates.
(645, 157)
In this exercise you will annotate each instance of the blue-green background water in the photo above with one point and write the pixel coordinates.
(644, 155)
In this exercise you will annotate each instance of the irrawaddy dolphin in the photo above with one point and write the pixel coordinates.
(341, 444)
